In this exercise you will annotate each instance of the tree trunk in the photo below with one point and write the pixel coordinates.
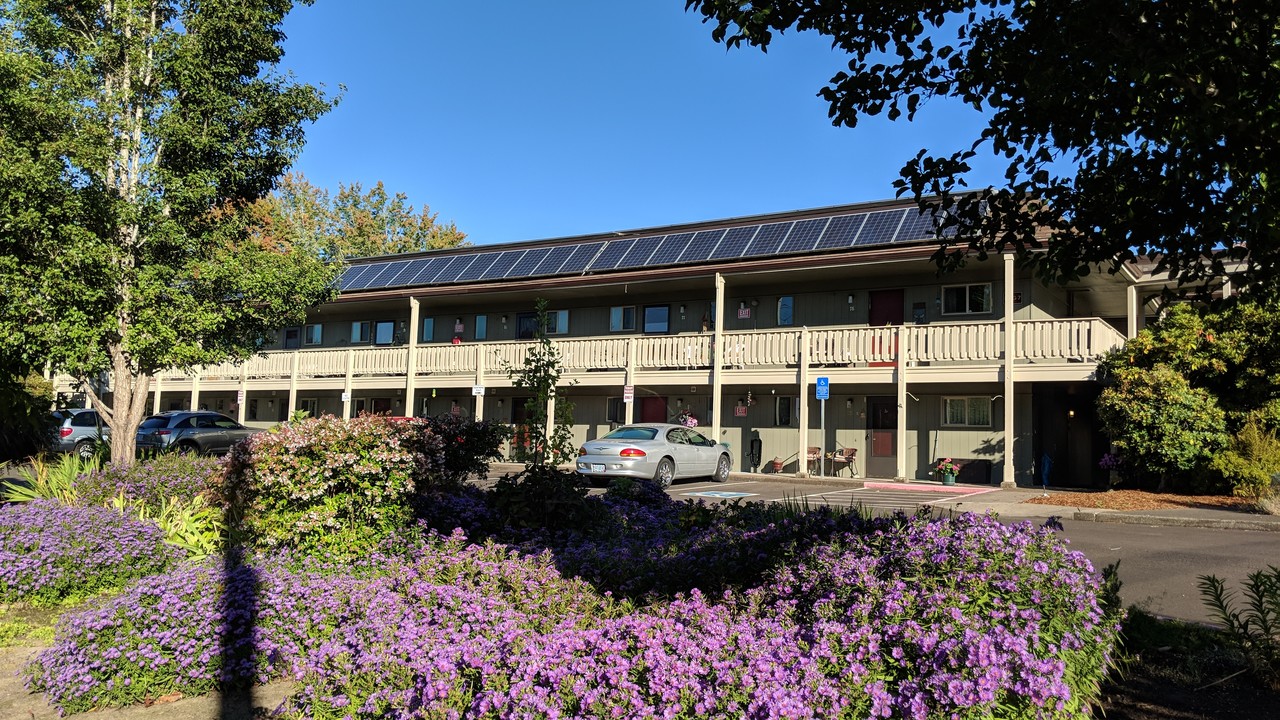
(127, 407)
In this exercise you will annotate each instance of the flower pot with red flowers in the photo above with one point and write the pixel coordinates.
(947, 469)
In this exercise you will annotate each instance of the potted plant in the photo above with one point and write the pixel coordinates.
(948, 470)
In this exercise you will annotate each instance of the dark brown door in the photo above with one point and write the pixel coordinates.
(381, 406)
(886, 308)
(882, 436)
(653, 409)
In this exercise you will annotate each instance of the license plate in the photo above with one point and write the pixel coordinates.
(597, 467)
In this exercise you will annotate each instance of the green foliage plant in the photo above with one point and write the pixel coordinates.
(324, 484)
(1166, 430)
(1251, 462)
(134, 138)
(46, 480)
(540, 375)
(24, 413)
(544, 497)
(189, 524)
(1255, 627)
(466, 449)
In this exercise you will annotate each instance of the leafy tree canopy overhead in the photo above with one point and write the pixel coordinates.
(354, 223)
(1129, 127)
(134, 138)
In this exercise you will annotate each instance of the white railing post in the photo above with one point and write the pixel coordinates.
(242, 395)
(717, 352)
(195, 391)
(479, 363)
(802, 437)
(900, 375)
(155, 399)
(411, 356)
(346, 388)
(293, 382)
(1009, 479)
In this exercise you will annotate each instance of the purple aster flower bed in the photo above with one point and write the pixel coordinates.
(151, 481)
(50, 551)
(898, 617)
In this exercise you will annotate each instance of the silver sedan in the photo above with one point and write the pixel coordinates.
(661, 451)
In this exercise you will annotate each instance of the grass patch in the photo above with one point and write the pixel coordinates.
(22, 625)
(1180, 653)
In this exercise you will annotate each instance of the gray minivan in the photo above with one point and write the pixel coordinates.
(78, 430)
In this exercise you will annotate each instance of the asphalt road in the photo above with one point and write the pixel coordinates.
(1159, 566)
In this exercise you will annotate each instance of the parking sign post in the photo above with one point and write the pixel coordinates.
(823, 393)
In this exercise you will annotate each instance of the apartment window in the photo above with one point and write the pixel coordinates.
(360, 332)
(310, 406)
(966, 412)
(527, 324)
(313, 335)
(782, 411)
(657, 319)
(558, 322)
(622, 319)
(482, 327)
(786, 308)
(292, 338)
(384, 332)
(966, 299)
(427, 331)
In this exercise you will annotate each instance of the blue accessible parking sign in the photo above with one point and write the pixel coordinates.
(824, 388)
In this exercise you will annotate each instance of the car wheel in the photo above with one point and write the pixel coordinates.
(722, 469)
(85, 450)
(187, 449)
(666, 472)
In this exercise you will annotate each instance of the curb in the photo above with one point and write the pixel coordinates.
(1162, 520)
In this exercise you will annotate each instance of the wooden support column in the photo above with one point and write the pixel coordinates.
(802, 437)
(1009, 479)
(630, 377)
(411, 354)
(1131, 305)
(242, 396)
(155, 399)
(900, 375)
(195, 391)
(346, 388)
(479, 363)
(293, 382)
(717, 360)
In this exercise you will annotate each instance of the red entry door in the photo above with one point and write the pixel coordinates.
(887, 307)
(653, 409)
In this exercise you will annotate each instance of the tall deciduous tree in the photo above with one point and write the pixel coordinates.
(134, 135)
(354, 223)
(1129, 127)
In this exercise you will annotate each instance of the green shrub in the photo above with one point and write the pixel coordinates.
(1251, 461)
(1166, 429)
(467, 447)
(326, 484)
(50, 481)
(544, 497)
(1255, 628)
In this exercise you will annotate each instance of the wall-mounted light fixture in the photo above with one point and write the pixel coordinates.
(742, 304)
(679, 402)
(504, 319)
(499, 402)
(1071, 413)
(851, 301)
(755, 303)
(682, 309)
(848, 403)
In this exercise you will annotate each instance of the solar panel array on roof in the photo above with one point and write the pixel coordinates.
(839, 232)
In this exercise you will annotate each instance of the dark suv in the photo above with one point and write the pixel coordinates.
(78, 430)
(202, 432)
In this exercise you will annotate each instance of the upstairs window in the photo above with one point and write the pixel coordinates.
(657, 319)
(384, 332)
(966, 299)
(292, 338)
(313, 335)
(482, 327)
(427, 330)
(360, 332)
(622, 319)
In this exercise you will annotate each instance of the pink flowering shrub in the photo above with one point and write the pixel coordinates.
(50, 551)
(327, 484)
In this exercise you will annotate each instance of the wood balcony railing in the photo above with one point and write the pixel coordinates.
(981, 343)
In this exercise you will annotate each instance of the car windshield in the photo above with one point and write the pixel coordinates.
(155, 421)
(632, 433)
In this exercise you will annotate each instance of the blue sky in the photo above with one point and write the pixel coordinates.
(522, 120)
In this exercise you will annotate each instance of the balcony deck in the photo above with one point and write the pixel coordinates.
(938, 353)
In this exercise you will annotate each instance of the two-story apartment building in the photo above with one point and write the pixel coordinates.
(735, 321)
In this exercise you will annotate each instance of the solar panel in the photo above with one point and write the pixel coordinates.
(550, 265)
(612, 254)
(477, 268)
(352, 275)
(525, 266)
(735, 242)
(769, 239)
(385, 272)
(880, 227)
(700, 246)
(429, 271)
(638, 255)
(670, 249)
(840, 232)
(582, 256)
(917, 226)
(804, 235)
(406, 274)
(455, 268)
(502, 265)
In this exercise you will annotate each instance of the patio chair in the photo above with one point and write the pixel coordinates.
(847, 457)
(814, 457)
